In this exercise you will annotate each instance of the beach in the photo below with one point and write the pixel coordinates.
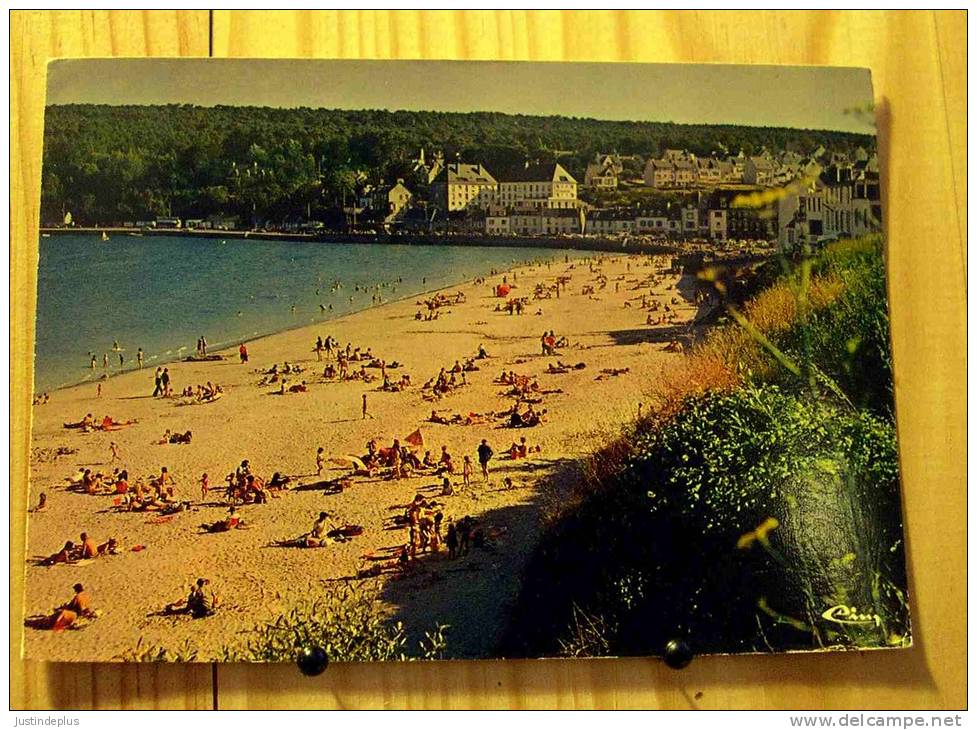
(600, 314)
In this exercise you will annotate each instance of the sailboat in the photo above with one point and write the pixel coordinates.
(105, 236)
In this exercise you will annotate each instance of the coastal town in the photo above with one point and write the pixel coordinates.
(677, 196)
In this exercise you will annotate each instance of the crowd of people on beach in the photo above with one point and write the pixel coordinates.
(434, 521)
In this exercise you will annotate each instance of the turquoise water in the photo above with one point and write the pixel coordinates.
(161, 293)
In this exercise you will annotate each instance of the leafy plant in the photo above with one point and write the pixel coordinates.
(345, 622)
(142, 652)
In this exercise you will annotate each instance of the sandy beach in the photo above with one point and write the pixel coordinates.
(256, 581)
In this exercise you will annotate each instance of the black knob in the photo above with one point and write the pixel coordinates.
(312, 660)
(678, 654)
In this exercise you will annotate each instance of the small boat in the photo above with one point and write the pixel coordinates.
(105, 236)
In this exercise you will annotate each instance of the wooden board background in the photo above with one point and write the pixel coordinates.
(918, 61)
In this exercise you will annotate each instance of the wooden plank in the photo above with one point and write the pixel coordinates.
(951, 33)
(35, 37)
(920, 83)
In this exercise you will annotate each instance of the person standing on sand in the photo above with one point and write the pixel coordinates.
(365, 412)
(164, 379)
(204, 486)
(139, 357)
(98, 392)
(158, 390)
(452, 541)
(466, 471)
(484, 455)
(114, 448)
(319, 460)
(203, 345)
(243, 352)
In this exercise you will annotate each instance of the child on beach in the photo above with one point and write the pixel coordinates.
(204, 486)
(466, 471)
(319, 459)
(114, 448)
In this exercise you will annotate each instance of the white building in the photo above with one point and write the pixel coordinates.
(460, 186)
(843, 201)
(537, 186)
(659, 174)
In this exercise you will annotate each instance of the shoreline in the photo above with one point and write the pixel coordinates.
(630, 244)
(234, 343)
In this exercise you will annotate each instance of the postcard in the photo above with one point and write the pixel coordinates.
(451, 360)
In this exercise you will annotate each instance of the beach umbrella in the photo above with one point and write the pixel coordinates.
(415, 439)
(349, 460)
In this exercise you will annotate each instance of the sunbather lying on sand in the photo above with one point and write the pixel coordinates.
(68, 615)
(562, 367)
(71, 553)
(110, 424)
(231, 522)
(86, 424)
(612, 372)
(64, 555)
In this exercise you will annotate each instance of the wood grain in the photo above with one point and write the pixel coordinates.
(918, 65)
(951, 35)
(36, 37)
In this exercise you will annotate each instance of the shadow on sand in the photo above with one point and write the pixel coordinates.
(474, 594)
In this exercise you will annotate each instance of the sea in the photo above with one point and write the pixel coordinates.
(160, 293)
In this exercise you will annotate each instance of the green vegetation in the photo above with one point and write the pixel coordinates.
(108, 164)
(143, 652)
(761, 494)
(344, 620)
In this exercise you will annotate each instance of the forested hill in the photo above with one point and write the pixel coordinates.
(114, 163)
